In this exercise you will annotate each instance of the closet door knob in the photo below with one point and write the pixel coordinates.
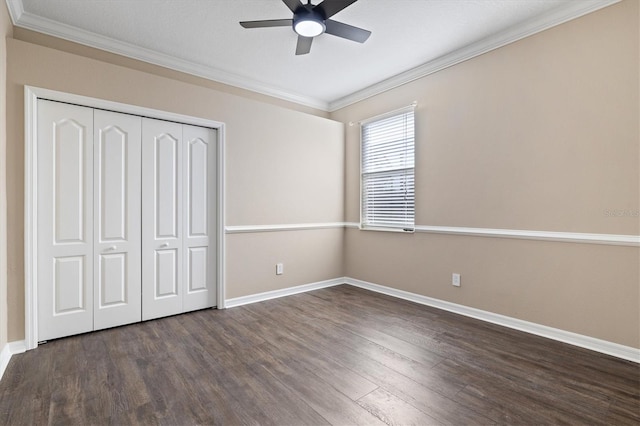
(111, 248)
(164, 245)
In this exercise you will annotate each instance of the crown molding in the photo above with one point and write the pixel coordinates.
(16, 9)
(67, 32)
(570, 11)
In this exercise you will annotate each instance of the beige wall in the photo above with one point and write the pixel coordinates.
(541, 134)
(5, 31)
(309, 256)
(282, 166)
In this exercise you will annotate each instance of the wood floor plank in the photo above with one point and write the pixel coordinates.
(357, 344)
(368, 326)
(32, 411)
(624, 411)
(341, 355)
(333, 406)
(393, 410)
(275, 395)
(353, 356)
(67, 401)
(336, 375)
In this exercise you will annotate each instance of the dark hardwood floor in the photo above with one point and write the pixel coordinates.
(339, 356)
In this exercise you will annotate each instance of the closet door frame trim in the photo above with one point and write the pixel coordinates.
(31, 96)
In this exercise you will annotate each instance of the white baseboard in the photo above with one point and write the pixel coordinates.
(5, 357)
(598, 345)
(10, 349)
(260, 297)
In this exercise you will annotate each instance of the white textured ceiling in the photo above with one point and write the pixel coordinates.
(203, 37)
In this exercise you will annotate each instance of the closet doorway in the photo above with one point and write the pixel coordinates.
(124, 214)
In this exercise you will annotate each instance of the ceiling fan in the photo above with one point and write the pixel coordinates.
(310, 21)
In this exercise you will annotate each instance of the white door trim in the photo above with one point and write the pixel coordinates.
(31, 96)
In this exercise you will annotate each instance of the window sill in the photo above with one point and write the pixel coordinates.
(383, 229)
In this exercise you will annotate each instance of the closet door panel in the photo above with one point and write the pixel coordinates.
(200, 212)
(166, 273)
(117, 207)
(166, 176)
(113, 283)
(162, 248)
(68, 284)
(65, 220)
(197, 269)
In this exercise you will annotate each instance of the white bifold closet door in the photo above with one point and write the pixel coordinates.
(127, 213)
(65, 220)
(88, 219)
(178, 218)
(200, 214)
(116, 219)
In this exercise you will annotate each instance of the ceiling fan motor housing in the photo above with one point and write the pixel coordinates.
(308, 22)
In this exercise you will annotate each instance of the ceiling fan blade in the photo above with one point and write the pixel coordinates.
(304, 45)
(346, 31)
(293, 4)
(267, 23)
(331, 7)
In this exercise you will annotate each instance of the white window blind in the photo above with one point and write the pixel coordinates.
(387, 171)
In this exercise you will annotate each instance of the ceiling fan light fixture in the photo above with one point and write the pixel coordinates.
(309, 26)
(310, 21)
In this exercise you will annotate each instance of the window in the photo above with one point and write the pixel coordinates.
(387, 171)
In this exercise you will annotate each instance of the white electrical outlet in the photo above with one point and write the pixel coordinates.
(455, 280)
(279, 268)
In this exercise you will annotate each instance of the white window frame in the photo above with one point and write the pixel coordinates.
(364, 223)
